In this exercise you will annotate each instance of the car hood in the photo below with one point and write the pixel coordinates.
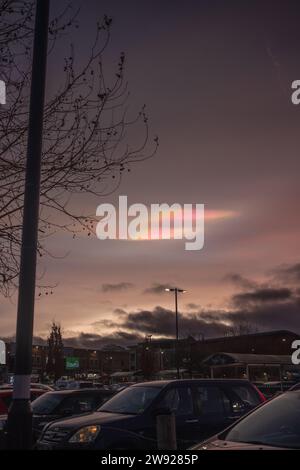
(229, 445)
(98, 417)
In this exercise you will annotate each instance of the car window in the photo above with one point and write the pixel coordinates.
(210, 400)
(47, 403)
(100, 399)
(34, 395)
(246, 394)
(76, 404)
(132, 400)
(276, 423)
(179, 400)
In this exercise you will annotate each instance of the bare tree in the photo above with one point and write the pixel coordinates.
(243, 327)
(55, 358)
(87, 144)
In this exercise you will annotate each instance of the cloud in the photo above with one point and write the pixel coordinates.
(288, 273)
(37, 340)
(192, 306)
(97, 341)
(120, 311)
(262, 295)
(157, 288)
(240, 281)
(161, 322)
(119, 287)
(263, 306)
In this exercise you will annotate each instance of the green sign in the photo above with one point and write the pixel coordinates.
(72, 363)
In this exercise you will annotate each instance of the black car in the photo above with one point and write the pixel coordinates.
(273, 426)
(128, 420)
(61, 404)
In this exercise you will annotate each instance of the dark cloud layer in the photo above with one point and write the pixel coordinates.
(265, 306)
(97, 341)
(289, 273)
(262, 295)
(259, 306)
(240, 281)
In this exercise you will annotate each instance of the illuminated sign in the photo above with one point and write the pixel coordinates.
(72, 363)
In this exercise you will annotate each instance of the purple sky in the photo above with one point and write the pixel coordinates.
(216, 77)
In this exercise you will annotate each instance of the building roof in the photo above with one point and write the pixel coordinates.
(251, 335)
(222, 358)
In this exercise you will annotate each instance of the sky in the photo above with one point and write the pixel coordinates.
(216, 78)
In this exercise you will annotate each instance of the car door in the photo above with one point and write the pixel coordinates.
(210, 403)
(179, 400)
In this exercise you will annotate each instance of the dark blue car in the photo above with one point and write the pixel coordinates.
(128, 420)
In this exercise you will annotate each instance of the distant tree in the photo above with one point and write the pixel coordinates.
(241, 328)
(87, 146)
(55, 361)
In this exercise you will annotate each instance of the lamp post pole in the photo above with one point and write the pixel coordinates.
(176, 290)
(20, 412)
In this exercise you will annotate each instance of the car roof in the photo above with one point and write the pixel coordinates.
(80, 390)
(165, 383)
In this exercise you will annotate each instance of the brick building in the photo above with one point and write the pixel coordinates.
(276, 342)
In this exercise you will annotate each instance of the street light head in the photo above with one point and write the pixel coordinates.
(167, 289)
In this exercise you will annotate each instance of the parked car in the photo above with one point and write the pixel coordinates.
(37, 386)
(74, 384)
(296, 386)
(65, 403)
(6, 397)
(270, 389)
(275, 425)
(121, 386)
(5, 401)
(55, 405)
(128, 420)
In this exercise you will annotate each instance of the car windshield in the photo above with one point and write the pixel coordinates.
(132, 400)
(277, 423)
(47, 403)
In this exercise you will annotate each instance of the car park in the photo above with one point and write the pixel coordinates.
(128, 420)
(74, 384)
(65, 403)
(37, 386)
(273, 426)
(55, 405)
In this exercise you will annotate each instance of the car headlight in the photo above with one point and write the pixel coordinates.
(85, 435)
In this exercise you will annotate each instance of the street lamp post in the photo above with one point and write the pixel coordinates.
(20, 414)
(176, 290)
